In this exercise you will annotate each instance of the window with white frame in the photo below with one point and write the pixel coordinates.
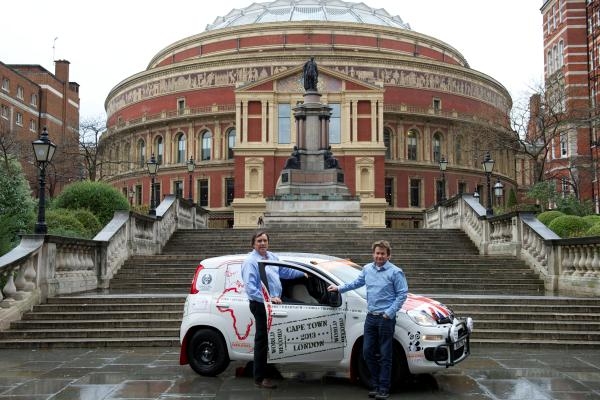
(230, 143)
(284, 123)
(564, 145)
(20, 93)
(33, 125)
(34, 99)
(411, 145)
(19, 119)
(565, 186)
(561, 48)
(4, 111)
(206, 145)
(437, 147)
(5, 84)
(180, 156)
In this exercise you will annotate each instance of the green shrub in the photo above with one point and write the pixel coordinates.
(568, 226)
(62, 222)
(592, 218)
(98, 197)
(547, 216)
(594, 230)
(88, 220)
(571, 205)
(511, 201)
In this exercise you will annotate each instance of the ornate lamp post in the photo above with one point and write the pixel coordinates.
(443, 166)
(152, 170)
(488, 167)
(190, 167)
(498, 190)
(476, 195)
(44, 150)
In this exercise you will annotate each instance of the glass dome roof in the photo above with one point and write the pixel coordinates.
(307, 10)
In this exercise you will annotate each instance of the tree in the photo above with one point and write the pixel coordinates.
(542, 126)
(90, 131)
(16, 204)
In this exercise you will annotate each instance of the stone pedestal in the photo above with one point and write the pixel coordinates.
(312, 192)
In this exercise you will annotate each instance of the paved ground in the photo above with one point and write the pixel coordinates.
(155, 373)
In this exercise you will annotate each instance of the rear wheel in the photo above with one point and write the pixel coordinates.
(207, 353)
(400, 371)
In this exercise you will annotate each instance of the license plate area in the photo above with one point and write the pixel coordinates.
(459, 344)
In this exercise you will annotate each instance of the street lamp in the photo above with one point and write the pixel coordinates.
(498, 190)
(190, 167)
(488, 167)
(44, 150)
(443, 166)
(476, 195)
(131, 195)
(152, 170)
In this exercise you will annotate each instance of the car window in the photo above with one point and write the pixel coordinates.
(306, 289)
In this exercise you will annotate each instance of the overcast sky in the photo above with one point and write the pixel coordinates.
(108, 41)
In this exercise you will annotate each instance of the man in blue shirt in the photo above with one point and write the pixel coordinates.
(257, 297)
(386, 292)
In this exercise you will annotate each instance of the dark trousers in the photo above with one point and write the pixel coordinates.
(377, 350)
(261, 344)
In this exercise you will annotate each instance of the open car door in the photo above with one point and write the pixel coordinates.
(308, 328)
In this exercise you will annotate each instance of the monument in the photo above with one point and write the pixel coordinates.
(311, 190)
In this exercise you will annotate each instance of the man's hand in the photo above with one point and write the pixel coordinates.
(276, 300)
(332, 288)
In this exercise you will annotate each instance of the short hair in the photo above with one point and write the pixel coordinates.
(380, 243)
(257, 234)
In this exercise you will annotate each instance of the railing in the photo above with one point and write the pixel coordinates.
(46, 266)
(567, 266)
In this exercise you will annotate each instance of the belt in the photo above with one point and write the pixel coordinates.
(377, 314)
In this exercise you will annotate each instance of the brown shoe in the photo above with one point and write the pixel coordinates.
(265, 384)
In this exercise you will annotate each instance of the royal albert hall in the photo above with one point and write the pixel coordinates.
(224, 99)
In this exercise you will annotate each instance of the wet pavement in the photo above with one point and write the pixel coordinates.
(155, 373)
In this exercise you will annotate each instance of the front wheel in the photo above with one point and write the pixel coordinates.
(400, 371)
(207, 353)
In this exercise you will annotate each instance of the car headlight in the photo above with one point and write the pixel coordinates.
(422, 318)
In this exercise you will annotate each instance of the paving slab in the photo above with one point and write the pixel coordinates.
(503, 373)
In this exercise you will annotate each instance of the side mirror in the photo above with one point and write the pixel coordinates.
(334, 299)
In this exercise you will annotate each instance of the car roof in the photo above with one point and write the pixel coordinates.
(307, 258)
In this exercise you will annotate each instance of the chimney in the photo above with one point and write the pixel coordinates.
(61, 70)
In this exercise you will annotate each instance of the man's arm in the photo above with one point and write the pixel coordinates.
(400, 290)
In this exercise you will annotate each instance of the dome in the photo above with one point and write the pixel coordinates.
(307, 10)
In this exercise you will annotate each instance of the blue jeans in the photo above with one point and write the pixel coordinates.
(377, 350)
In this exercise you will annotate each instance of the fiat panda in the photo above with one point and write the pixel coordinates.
(312, 325)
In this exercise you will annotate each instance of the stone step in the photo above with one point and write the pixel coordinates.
(143, 315)
(89, 342)
(105, 307)
(539, 325)
(90, 333)
(91, 324)
(521, 334)
(480, 344)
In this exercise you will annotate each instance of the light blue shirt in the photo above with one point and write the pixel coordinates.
(386, 288)
(251, 276)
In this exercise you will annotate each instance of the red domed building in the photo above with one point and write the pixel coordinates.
(400, 102)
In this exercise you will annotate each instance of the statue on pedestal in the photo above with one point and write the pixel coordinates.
(310, 75)
(330, 160)
(293, 162)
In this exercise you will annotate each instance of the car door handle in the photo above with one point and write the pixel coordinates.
(280, 314)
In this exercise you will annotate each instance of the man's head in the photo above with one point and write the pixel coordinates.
(381, 251)
(260, 242)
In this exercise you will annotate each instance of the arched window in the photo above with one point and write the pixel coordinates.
(437, 147)
(458, 150)
(141, 153)
(159, 148)
(230, 143)
(206, 145)
(387, 141)
(411, 145)
(180, 149)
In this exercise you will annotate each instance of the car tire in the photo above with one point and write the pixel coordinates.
(400, 371)
(207, 353)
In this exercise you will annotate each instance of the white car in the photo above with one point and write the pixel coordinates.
(312, 325)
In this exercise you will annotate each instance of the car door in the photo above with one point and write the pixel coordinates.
(301, 331)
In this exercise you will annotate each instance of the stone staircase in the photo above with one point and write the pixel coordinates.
(144, 303)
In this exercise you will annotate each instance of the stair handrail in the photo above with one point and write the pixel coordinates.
(567, 266)
(43, 266)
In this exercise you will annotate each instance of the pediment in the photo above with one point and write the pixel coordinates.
(290, 81)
